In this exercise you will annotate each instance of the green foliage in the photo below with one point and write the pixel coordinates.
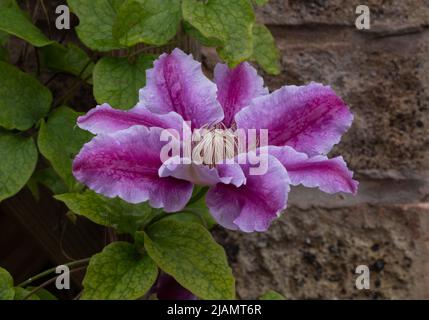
(21, 293)
(113, 24)
(196, 211)
(70, 59)
(96, 22)
(23, 100)
(178, 243)
(193, 32)
(41, 294)
(230, 24)
(119, 272)
(117, 81)
(123, 216)
(15, 21)
(19, 158)
(272, 295)
(188, 252)
(6, 285)
(227, 25)
(4, 37)
(60, 140)
(9, 292)
(48, 178)
(150, 21)
(265, 51)
(185, 217)
(200, 208)
(4, 54)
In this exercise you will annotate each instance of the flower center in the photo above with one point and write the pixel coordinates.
(214, 146)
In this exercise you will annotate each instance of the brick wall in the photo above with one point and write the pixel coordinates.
(383, 75)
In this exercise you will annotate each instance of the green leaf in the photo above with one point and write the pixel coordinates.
(43, 294)
(96, 22)
(188, 252)
(4, 54)
(70, 59)
(272, 295)
(109, 212)
(48, 178)
(23, 100)
(185, 217)
(60, 140)
(6, 285)
(4, 38)
(199, 208)
(196, 211)
(15, 21)
(119, 272)
(18, 160)
(265, 51)
(193, 32)
(117, 81)
(150, 21)
(21, 293)
(231, 23)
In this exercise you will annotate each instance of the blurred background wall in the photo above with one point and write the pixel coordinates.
(383, 75)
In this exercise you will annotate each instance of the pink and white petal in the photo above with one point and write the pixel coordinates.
(237, 88)
(125, 164)
(329, 175)
(182, 168)
(310, 118)
(105, 119)
(254, 205)
(177, 83)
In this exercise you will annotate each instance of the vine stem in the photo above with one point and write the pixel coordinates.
(49, 271)
(48, 19)
(44, 284)
(75, 85)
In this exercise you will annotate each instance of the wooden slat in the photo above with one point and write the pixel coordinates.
(46, 221)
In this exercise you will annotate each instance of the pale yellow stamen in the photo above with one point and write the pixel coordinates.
(215, 146)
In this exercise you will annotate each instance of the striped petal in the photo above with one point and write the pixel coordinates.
(254, 205)
(177, 83)
(329, 175)
(237, 88)
(105, 119)
(309, 118)
(125, 164)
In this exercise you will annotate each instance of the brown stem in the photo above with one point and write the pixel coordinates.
(48, 19)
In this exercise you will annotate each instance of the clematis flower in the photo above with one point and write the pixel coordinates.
(303, 124)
